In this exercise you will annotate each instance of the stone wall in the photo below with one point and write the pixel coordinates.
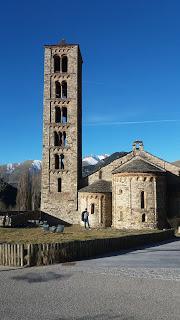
(173, 185)
(62, 204)
(106, 172)
(128, 210)
(101, 215)
(162, 201)
(174, 204)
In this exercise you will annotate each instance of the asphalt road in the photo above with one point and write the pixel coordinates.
(131, 285)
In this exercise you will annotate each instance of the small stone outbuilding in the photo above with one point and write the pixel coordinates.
(97, 198)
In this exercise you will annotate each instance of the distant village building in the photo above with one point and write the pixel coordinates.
(128, 190)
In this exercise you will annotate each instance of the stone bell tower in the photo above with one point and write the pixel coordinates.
(62, 131)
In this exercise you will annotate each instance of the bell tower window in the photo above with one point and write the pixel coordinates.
(56, 139)
(59, 184)
(64, 139)
(56, 160)
(64, 64)
(56, 63)
(57, 114)
(58, 89)
(64, 115)
(62, 161)
(138, 145)
(64, 90)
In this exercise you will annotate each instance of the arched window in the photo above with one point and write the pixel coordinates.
(60, 139)
(56, 139)
(64, 64)
(64, 139)
(64, 90)
(61, 161)
(59, 184)
(58, 89)
(143, 217)
(56, 63)
(92, 208)
(100, 174)
(56, 161)
(121, 216)
(57, 114)
(142, 200)
(64, 115)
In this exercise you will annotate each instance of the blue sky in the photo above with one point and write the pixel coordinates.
(131, 73)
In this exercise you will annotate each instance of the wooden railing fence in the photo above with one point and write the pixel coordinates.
(20, 255)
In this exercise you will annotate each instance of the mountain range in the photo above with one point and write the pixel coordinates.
(11, 172)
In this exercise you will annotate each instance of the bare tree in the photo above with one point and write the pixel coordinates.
(23, 200)
(35, 190)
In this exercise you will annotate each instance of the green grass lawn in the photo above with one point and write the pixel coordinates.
(36, 235)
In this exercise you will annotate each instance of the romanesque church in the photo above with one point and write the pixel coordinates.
(132, 190)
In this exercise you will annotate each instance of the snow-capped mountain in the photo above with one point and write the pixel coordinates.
(32, 165)
(10, 167)
(36, 165)
(93, 159)
(11, 172)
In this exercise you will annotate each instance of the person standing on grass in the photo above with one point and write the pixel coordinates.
(86, 218)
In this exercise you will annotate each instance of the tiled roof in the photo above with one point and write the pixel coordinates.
(99, 186)
(138, 165)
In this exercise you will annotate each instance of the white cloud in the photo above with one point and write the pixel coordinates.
(118, 123)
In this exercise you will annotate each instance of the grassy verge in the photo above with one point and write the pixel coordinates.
(36, 235)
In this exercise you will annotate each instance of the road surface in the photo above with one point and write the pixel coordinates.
(141, 284)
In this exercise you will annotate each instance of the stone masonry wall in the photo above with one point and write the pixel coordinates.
(102, 216)
(106, 172)
(161, 196)
(62, 204)
(127, 211)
